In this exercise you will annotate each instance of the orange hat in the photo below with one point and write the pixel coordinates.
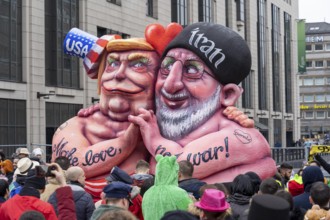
(7, 165)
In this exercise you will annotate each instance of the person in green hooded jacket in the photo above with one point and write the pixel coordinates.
(165, 195)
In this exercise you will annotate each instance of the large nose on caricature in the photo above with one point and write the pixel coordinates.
(173, 82)
(121, 72)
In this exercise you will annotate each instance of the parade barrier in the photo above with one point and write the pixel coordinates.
(293, 155)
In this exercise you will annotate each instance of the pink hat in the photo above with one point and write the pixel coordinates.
(213, 200)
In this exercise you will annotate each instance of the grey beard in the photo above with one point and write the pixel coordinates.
(178, 123)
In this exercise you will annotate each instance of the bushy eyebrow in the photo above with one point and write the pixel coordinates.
(114, 56)
(136, 56)
(190, 57)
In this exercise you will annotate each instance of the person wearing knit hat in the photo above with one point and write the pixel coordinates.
(35, 182)
(29, 198)
(295, 185)
(197, 80)
(310, 175)
(268, 207)
(38, 152)
(165, 195)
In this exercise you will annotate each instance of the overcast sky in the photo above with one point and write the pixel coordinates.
(314, 10)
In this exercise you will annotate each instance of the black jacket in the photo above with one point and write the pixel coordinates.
(192, 186)
(83, 202)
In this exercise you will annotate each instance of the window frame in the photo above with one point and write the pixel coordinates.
(11, 50)
(315, 47)
(319, 117)
(308, 79)
(240, 10)
(319, 98)
(306, 117)
(319, 81)
(61, 70)
(152, 8)
(316, 62)
(205, 11)
(179, 12)
(308, 96)
(327, 47)
(311, 64)
(13, 119)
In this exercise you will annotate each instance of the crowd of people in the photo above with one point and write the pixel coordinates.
(27, 191)
(198, 76)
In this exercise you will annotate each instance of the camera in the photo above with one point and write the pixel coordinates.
(49, 173)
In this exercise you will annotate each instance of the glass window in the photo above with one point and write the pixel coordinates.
(179, 12)
(12, 122)
(276, 57)
(320, 114)
(320, 98)
(308, 82)
(328, 114)
(204, 11)
(328, 80)
(277, 132)
(104, 31)
(61, 70)
(152, 8)
(318, 46)
(57, 114)
(308, 98)
(327, 97)
(328, 63)
(319, 81)
(247, 94)
(309, 114)
(308, 47)
(300, 98)
(262, 56)
(240, 10)
(319, 63)
(288, 63)
(327, 46)
(300, 82)
(11, 40)
(309, 64)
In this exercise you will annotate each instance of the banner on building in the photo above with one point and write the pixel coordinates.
(318, 149)
(301, 46)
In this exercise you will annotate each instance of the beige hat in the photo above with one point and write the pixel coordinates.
(24, 151)
(24, 165)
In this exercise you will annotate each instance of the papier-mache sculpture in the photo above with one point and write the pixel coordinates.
(191, 98)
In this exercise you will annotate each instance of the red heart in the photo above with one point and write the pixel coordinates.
(159, 37)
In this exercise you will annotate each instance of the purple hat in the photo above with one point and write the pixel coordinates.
(213, 200)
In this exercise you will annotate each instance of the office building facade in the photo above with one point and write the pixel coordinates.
(41, 87)
(315, 82)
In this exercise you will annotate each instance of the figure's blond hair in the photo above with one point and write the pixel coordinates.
(119, 45)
